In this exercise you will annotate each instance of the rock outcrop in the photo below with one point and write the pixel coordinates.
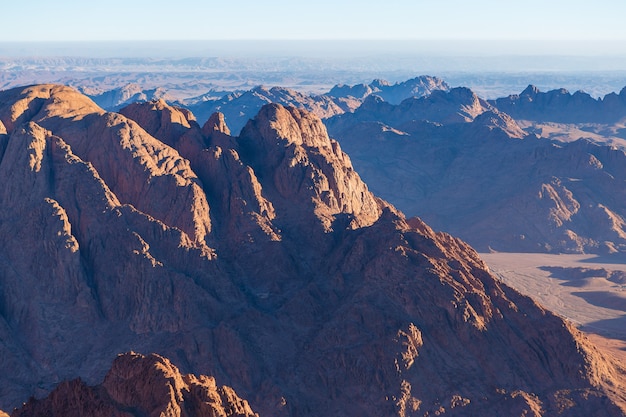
(298, 288)
(140, 385)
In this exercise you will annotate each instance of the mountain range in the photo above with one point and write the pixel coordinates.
(468, 168)
(261, 261)
(534, 172)
(240, 106)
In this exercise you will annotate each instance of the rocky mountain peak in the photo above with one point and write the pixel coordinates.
(530, 91)
(130, 160)
(500, 122)
(164, 122)
(149, 386)
(44, 101)
(380, 83)
(292, 147)
(561, 106)
(216, 123)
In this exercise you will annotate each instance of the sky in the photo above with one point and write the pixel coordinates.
(115, 20)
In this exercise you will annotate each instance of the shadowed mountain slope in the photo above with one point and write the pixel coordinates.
(239, 107)
(563, 107)
(470, 170)
(262, 260)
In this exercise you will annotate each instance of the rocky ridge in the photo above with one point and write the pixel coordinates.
(471, 170)
(239, 107)
(262, 260)
(140, 385)
(563, 107)
(391, 93)
(123, 96)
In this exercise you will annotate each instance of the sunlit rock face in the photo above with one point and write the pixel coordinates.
(146, 385)
(262, 260)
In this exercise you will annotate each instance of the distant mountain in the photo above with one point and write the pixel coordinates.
(459, 164)
(563, 107)
(391, 93)
(115, 99)
(238, 108)
(262, 260)
(454, 106)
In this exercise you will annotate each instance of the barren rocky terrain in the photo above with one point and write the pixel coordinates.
(261, 260)
(470, 169)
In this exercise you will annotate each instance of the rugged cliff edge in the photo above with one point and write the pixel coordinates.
(141, 385)
(262, 260)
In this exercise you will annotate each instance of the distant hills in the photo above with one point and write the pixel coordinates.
(561, 106)
(240, 106)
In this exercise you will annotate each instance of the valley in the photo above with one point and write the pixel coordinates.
(588, 290)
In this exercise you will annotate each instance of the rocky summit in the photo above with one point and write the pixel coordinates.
(262, 260)
(140, 385)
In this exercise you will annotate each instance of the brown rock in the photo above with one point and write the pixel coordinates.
(216, 123)
(291, 151)
(145, 385)
(340, 307)
(231, 187)
(133, 163)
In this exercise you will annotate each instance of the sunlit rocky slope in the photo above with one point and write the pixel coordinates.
(261, 260)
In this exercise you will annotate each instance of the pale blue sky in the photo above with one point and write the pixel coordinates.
(72, 20)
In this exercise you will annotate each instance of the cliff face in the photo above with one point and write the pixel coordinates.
(262, 260)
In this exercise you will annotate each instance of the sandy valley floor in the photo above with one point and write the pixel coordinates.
(586, 289)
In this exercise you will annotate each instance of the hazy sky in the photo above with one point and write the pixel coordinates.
(72, 20)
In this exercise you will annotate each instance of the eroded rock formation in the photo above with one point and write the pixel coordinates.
(262, 260)
(140, 385)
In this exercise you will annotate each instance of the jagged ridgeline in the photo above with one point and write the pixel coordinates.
(261, 260)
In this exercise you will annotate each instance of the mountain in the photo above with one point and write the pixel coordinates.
(454, 106)
(239, 107)
(140, 385)
(123, 96)
(471, 170)
(262, 260)
(563, 107)
(392, 93)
